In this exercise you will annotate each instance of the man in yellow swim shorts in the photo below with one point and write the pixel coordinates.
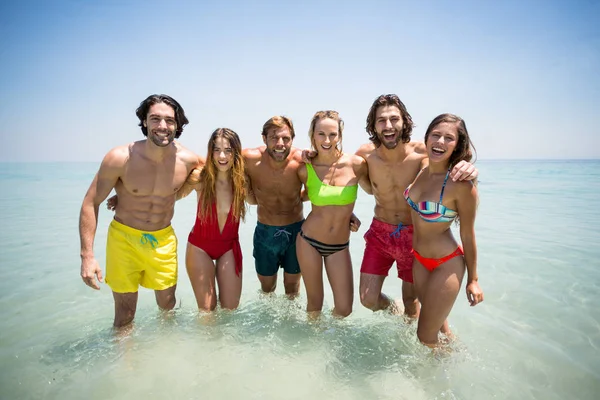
(141, 245)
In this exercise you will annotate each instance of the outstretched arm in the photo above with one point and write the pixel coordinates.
(104, 181)
(466, 206)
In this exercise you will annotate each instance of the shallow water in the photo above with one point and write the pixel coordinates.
(537, 335)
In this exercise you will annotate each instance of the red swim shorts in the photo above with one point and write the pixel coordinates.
(386, 243)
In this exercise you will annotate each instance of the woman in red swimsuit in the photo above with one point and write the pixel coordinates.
(213, 250)
(436, 202)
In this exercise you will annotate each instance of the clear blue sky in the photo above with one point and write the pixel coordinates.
(525, 75)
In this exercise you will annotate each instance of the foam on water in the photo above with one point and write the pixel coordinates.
(537, 335)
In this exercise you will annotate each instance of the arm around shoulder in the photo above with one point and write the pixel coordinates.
(361, 170)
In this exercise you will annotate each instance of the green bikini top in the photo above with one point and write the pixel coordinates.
(321, 194)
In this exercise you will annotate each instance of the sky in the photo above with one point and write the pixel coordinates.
(524, 75)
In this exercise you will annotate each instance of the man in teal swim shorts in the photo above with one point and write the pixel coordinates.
(272, 169)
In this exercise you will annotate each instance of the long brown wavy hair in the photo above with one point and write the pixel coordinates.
(464, 149)
(319, 115)
(389, 100)
(208, 177)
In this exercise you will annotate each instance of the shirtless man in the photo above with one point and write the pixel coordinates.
(141, 246)
(393, 162)
(272, 169)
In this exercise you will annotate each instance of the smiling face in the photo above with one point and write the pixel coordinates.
(441, 141)
(278, 142)
(326, 136)
(161, 124)
(388, 126)
(222, 154)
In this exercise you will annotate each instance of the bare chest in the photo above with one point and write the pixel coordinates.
(143, 178)
(388, 177)
(268, 182)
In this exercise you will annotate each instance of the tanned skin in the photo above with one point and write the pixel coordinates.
(146, 176)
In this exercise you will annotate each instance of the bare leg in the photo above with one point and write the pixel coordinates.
(437, 291)
(311, 265)
(125, 305)
(166, 298)
(268, 284)
(230, 284)
(409, 298)
(370, 292)
(292, 284)
(339, 272)
(201, 270)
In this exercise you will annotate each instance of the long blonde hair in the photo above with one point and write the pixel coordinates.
(208, 177)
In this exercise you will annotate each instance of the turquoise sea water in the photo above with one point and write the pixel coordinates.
(536, 336)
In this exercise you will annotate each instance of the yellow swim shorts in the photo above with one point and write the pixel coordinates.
(135, 258)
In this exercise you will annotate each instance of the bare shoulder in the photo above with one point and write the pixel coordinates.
(253, 153)
(188, 157)
(365, 150)
(118, 156)
(296, 154)
(464, 188)
(359, 164)
(356, 160)
(416, 152)
(417, 148)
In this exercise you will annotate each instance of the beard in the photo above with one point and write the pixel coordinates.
(157, 140)
(278, 156)
(390, 144)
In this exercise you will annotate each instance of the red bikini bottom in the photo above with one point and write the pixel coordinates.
(433, 263)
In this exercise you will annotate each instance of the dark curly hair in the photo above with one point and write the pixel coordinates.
(389, 100)
(142, 112)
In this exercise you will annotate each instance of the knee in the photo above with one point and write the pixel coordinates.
(429, 339)
(124, 319)
(369, 300)
(268, 284)
(232, 305)
(314, 303)
(292, 288)
(167, 303)
(207, 309)
(343, 311)
(268, 287)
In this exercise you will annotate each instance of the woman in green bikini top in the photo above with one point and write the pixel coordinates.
(331, 184)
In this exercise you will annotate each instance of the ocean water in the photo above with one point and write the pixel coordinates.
(536, 335)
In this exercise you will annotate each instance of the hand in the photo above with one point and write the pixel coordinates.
(474, 293)
(308, 155)
(354, 223)
(111, 203)
(89, 271)
(464, 171)
(194, 176)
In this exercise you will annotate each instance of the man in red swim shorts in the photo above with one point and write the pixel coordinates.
(394, 162)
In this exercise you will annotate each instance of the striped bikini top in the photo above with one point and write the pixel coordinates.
(429, 210)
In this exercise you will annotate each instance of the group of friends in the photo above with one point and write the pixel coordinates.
(420, 189)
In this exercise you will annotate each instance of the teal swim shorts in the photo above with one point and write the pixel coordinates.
(275, 247)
